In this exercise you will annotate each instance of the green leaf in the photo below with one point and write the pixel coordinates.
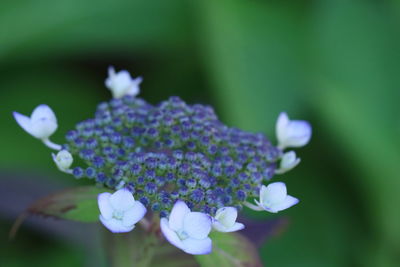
(77, 204)
(230, 249)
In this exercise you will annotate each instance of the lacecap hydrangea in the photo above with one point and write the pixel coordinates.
(173, 159)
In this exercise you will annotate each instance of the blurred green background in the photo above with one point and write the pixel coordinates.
(334, 63)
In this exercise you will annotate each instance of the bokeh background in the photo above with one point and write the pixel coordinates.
(333, 63)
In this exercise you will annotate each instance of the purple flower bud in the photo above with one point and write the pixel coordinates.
(90, 172)
(197, 195)
(135, 169)
(77, 172)
(101, 177)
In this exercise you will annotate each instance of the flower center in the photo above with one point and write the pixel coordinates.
(182, 234)
(117, 214)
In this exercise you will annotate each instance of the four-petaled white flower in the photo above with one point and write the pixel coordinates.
(121, 83)
(292, 133)
(119, 211)
(41, 124)
(288, 162)
(63, 160)
(273, 198)
(225, 220)
(187, 230)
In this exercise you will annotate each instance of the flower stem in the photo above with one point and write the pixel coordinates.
(145, 224)
(51, 145)
(252, 206)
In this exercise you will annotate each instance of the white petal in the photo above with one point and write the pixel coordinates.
(197, 246)
(281, 125)
(42, 123)
(118, 92)
(287, 203)
(263, 191)
(134, 214)
(170, 234)
(257, 207)
(134, 89)
(122, 200)
(288, 158)
(109, 80)
(121, 84)
(111, 71)
(43, 111)
(115, 225)
(298, 133)
(106, 210)
(288, 162)
(24, 122)
(274, 193)
(236, 227)
(197, 225)
(226, 216)
(43, 128)
(221, 228)
(177, 215)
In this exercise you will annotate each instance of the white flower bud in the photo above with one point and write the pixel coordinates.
(293, 133)
(121, 83)
(63, 160)
(41, 124)
(225, 220)
(288, 162)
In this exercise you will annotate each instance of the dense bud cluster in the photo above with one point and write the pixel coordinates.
(171, 151)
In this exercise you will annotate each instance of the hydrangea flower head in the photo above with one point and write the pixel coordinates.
(173, 159)
(172, 151)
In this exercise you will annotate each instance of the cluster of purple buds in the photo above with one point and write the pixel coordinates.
(175, 159)
(171, 151)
